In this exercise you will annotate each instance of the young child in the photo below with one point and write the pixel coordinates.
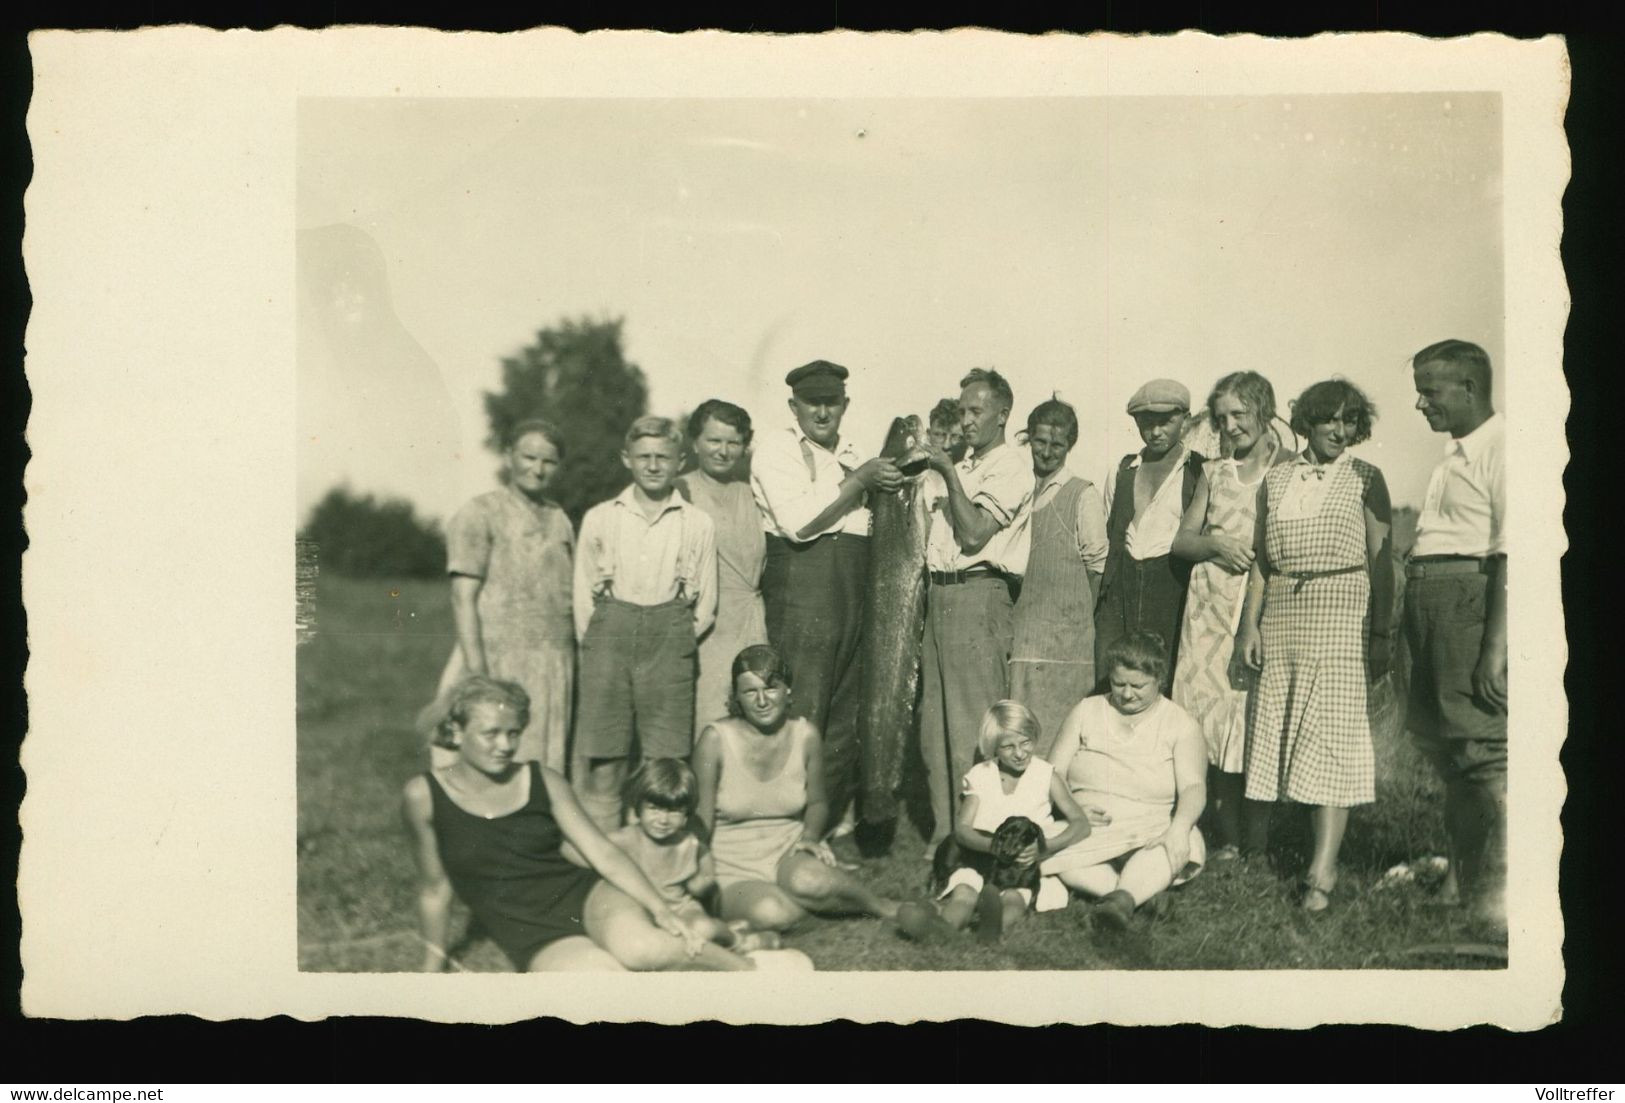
(1143, 585)
(660, 797)
(1012, 782)
(645, 591)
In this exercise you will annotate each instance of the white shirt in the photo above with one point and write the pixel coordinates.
(1465, 510)
(644, 561)
(1152, 533)
(999, 481)
(789, 492)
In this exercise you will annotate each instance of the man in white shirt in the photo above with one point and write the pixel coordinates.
(969, 607)
(1143, 586)
(809, 486)
(1456, 621)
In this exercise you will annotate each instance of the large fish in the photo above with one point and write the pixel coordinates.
(894, 621)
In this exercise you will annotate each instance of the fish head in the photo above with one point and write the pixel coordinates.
(904, 445)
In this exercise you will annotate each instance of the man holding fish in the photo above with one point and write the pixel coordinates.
(810, 487)
(969, 609)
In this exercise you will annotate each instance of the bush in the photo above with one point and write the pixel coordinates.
(361, 536)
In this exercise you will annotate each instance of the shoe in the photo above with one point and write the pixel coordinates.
(1227, 853)
(785, 961)
(1317, 898)
(923, 923)
(1114, 911)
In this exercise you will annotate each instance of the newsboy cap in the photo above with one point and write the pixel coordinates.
(1160, 396)
(818, 377)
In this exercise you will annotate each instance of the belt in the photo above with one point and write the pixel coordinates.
(970, 574)
(775, 540)
(1432, 566)
(1308, 576)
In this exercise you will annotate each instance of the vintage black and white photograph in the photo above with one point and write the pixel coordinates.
(1016, 545)
(881, 534)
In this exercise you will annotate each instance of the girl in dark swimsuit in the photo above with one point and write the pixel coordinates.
(490, 829)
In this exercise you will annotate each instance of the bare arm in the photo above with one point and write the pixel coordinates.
(816, 817)
(465, 614)
(705, 879)
(1490, 675)
(1077, 824)
(1249, 650)
(965, 833)
(1233, 553)
(707, 764)
(1380, 567)
(973, 525)
(878, 474)
(606, 859)
(434, 887)
(1190, 782)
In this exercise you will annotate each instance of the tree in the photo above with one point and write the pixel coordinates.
(577, 377)
(359, 535)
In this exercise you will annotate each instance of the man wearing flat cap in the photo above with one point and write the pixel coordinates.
(1143, 586)
(809, 485)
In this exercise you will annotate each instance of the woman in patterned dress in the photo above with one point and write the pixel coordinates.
(1052, 657)
(510, 555)
(1217, 535)
(1322, 564)
(720, 433)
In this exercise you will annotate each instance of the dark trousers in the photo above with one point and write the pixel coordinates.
(1144, 595)
(636, 676)
(813, 596)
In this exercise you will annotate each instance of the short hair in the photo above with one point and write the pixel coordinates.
(662, 428)
(1254, 391)
(945, 414)
(993, 381)
(730, 415)
(762, 660)
(477, 689)
(1057, 414)
(530, 425)
(665, 783)
(1005, 718)
(1143, 652)
(1471, 359)
(1324, 399)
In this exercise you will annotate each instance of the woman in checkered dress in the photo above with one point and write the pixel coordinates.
(1322, 541)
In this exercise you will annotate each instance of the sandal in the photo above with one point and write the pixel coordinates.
(1316, 898)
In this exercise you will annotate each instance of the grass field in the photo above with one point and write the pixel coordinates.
(376, 650)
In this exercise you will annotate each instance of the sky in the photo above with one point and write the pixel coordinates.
(1080, 246)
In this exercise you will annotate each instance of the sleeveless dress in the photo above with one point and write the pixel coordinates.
(1213, 605)
(993, 806)
(509, 871)
(1052, 657)
(523, 551)
(669, 868)
(758, 822)
(1309, 739)
(741, 618)
(1125, 764)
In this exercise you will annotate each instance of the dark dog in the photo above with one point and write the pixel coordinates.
(998, 869)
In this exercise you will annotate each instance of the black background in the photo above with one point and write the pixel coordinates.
(1574, 1052)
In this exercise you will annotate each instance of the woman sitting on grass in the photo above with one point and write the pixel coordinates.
(491, 828)
(761, 778)
(1138, 763)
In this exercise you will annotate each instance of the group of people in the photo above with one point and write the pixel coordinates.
(1095, 662)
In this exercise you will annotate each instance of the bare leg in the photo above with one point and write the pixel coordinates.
(1146, 873)
(577, 954)
(766, 907)
(1095, 880)
(822, 889)
(620, 925)
(1328, 824)
(1015, 908)
(960, 906)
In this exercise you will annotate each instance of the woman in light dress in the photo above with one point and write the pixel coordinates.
(1217, 535)
(1322, 563)
(510, 554)
(761, 786)
(720, 434)
(1137, 765)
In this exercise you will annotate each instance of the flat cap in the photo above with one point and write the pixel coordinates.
(818, 377)
(1160, 396)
